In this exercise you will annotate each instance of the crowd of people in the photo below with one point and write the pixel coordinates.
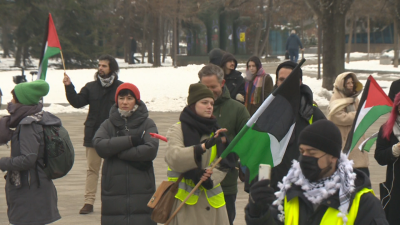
(316, 183)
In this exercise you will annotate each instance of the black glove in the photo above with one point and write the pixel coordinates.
(260, 198)
(136, 140)
(208, 143)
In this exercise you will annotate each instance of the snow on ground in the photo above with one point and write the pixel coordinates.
(371, 65)
(353, 55)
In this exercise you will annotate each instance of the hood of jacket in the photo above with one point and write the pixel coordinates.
(226, 58)
(215, 56)
(306, 102)
(339, 83)
(43, 118)
(135, 120)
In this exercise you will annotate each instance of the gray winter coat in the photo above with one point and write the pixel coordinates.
(29, 203)
(128, 181)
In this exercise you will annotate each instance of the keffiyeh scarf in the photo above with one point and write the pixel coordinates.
(106, 82)
(342, 180)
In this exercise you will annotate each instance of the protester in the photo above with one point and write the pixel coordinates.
(191, 151)
(387, 153)
(100, 96)
(233, 78)
(292, 46)
(124, 141)
(342, 112)
(231, 115)
(394, 89)
(320, 188)
(215, 56)
(258, 85)
(31, 196)
(308, 113)
(132, 57)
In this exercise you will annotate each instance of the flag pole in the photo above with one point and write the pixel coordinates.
(190, 194)
(62, 58)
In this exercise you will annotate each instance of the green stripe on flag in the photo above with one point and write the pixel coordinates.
(367, 121)
(368, 145)
(50, 51)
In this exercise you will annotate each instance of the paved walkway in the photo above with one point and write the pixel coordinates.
(71, 188)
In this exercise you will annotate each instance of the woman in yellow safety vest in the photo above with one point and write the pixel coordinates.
(194, 144)
(320, 188)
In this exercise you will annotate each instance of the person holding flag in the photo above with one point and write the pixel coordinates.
(342, 112)
(387, 153)
(320, 188)
(194, 145)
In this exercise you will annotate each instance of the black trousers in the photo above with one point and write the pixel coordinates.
(230, 201)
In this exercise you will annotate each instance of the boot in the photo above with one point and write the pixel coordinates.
(86, 209)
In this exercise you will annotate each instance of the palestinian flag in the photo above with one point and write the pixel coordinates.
(266, 135)
(51, 47)
(373, 104)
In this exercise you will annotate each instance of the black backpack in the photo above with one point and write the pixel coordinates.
(58, 152)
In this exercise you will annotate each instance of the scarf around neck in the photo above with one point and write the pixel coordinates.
(396, 128)
(129, 113)
(17, 113)
(106, 82)
(342, 180)
(256, 83)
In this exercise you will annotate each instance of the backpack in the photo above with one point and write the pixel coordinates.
(58, 152)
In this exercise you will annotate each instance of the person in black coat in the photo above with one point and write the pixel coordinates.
(233, 78)
(99, 95)
(394, 89)
(292, 46)
(132, 57)
(320, 188)
(387, 153)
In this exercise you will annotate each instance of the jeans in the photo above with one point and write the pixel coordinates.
(230, 201)
(294, 55)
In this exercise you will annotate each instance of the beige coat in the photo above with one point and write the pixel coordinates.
(181, 159)
(344, 120)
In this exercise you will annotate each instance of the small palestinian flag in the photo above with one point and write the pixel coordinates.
(373, 104)
(51, 47)
(263, 140)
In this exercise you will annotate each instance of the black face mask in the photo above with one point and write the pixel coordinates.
(309, 167)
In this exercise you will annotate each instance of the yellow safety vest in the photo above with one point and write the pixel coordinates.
(312, 116)
(215, 196)
(331, 215)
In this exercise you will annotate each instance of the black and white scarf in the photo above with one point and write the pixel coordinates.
(106, 82)
(396, 128)
(342, 180)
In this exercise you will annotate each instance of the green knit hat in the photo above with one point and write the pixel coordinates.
(197, 92)
(29, 93)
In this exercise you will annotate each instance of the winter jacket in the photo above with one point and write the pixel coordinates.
(370, 211)
(100, 101)
(233, 81)
(306, 112)
(268, 86)
(343, 119)
(233, 116)
(385, 157)
(127, 182)
(30, 204)
(394, 89)
(181, 159)
(293, 42)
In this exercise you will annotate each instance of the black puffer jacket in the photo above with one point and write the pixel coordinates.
(127, 182)
(233, 81)
(306, 111)
(99, 99)
(370, 211)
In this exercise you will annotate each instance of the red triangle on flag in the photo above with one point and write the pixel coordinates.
(52, 38)
(376, 96)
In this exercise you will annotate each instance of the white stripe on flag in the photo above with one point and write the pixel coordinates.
(40, 66)
(362, 114)
(278, 149)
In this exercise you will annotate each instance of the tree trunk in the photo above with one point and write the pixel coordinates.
(334, 47)
(18, 55)
(258, 28)
(150, 39)
(144, 43)
(319, 48)
(5, 42)
(164, 34)
(352, 21)
(368, 37)
(25, 55)
(396, 44)
(266, 38)
(156, 35)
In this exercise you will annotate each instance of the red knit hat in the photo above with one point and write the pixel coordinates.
(131, 87)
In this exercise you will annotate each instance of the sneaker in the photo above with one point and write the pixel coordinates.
(86, 209)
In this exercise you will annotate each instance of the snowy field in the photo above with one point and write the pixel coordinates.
(371, 65)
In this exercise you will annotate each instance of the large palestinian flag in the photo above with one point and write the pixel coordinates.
(51, 47)
(266, 135)
(373, 104)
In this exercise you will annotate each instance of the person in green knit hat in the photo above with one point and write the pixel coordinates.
(31, 196)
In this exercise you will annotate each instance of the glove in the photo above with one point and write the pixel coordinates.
(396, 150)
(208, 143)
(136, 140)
(240, 97)
(260, 198)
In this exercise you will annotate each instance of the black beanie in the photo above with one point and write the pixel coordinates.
(323, 135)
(215, 56)
(256, 61)
(289, 64)
(197, 92)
